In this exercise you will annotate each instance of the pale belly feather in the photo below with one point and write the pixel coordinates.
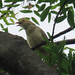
(35, 38)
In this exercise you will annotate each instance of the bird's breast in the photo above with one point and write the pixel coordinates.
(34, 38)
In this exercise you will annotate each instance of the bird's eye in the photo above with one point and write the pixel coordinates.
(20, 22)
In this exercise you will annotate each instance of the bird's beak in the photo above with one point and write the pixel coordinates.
(17, 23)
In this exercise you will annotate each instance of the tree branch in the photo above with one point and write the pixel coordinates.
(57, 17)
(18, 59)
(7, 9)
(63, 32)
(69, 41)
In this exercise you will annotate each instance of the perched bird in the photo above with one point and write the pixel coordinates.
(34, 33)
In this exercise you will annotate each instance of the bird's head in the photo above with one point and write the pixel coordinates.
(24, 23)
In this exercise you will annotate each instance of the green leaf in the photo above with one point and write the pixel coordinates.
(12, 14)
(11, 20)
(31, 0)
(36, 12)
(5, 20)
(39, 1)
(37, 6)
(65, 74)
(55, 6)
(54, 12)
(27, 18)
(70, 56)
(16, 5)
(48, 1)
(51, 1)
(73, 64)
(42, 7)
(26, 6)
(47, 41)
(21, 29)
(65, 65)
(49, 35)
(70, 17)
(64, 10)
(26, 11)
(46, 48)
(4, 11)
(13, 0)
(5, 29)
(35, 20)
(71, 49)
(10, 5)
(71, 1)
(0, 3)
(1, 25)
(70, 61)
(45, 13)
(49, 17)
(61, 2)
(61, 47)
(60, 19)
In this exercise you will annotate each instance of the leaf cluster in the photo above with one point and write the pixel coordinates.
(7, 15)
(64, 64)
(45, 11)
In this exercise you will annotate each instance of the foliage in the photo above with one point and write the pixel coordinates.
(64, 64)
(56, 57)
(63, 9)
(42, 9)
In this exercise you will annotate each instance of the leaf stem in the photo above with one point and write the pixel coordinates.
(57, 18)
(7, 9)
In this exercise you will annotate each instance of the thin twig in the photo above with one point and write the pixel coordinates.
(69, 41)
(63, 32)
(57, 17)
(7, 9)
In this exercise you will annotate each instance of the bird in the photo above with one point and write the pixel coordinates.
(35, 35)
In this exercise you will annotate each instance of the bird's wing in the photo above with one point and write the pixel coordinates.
(43, 33)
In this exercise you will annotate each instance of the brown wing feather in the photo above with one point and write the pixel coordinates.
(43, 33)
